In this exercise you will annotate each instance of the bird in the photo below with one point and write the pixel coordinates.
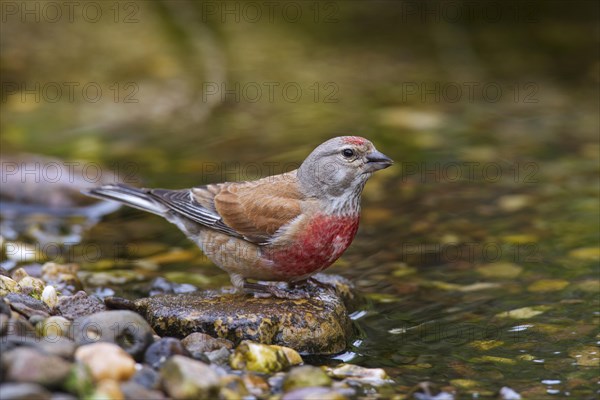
(280, 228)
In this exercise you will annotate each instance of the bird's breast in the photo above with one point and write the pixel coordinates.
(314, 245)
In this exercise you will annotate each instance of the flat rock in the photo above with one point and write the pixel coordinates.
(315, 325)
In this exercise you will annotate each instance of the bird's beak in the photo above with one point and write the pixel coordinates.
(376, 160)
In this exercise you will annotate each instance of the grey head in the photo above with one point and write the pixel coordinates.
(340, 167)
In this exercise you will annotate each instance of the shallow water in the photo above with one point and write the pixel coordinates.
(478, 250)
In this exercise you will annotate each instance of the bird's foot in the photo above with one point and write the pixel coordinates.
(311, 284)
(260, 290)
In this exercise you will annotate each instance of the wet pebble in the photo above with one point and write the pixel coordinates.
(26, 364)
(108, 389)
(147, 377)
(198, 342)
(106, 361)
(372, 376)
(79, 305)
(63, 277)
(22, 391)
(219, 357)
(27, 305)
(184, 378)
(8, 285)
(161, 285)
(58, 346)
(53, 326)
(264, 358)
(122, 327)
(134, 391)
(31, 286)
(232, 387)
(49, 297)
(305, 376)
(158, 352)
(310, 393)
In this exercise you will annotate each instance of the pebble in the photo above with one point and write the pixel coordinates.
(79, 305)
(264, 358)
(373, 376)
(27, 305)
(108, 389)
(22, 391)
(58, 346)
(53, 326)
(184, 378)
(50, 297)
(232, 388)
(8, 285)
(313, 393)
(158, 352)
(31, 286)
(198, 343)
(63, 277)
(106, 361)
(26, 364)
(125, 328)
(305, 376)
(147, 377)
(135, 391)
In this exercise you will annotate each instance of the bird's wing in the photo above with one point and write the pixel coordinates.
(255, 210)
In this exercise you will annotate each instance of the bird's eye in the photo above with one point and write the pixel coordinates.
(348, 153)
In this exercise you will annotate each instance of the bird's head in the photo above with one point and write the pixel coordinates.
(341, 167)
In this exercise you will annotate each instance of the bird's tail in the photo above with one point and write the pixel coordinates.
(138, 198)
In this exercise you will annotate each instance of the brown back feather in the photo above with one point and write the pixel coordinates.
(254, 209)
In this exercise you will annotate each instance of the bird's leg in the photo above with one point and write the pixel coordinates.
(265, 290)
(320, 284)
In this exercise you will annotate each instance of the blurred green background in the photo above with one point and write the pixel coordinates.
(490, 110)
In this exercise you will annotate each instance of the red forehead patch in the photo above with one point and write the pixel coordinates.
(356, 140)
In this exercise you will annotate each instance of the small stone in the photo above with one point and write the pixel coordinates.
(106, 361)
(79, 305)
(58, 346)
(232, 388)
(314, 393)
(203, 343)
(503, 270)
(586, 253)
(122, 327)
(80, 381)
(256, 385)
(108, 389)
(264, 358)
(19, 274)
(63, 277)
(25, 364)
(514, 202)
(147, 377)
(373, 376)
(305, 376)
(50, 297)
(548, 285)
(507, 393)
(586, 356)
(219, 357)
(53, 326)
(27, 305)
(23, 391)
(134, 391)
(8, 285)
(524, 312)
(31, 286)
(162, 349)
(184, 378)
